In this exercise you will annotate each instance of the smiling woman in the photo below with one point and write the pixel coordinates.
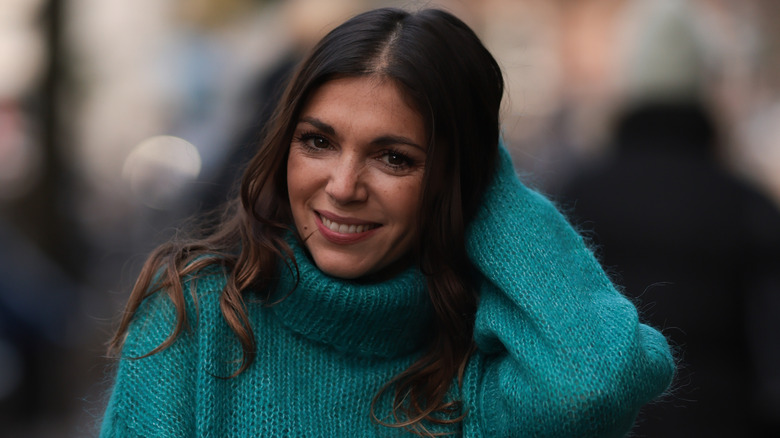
(383, 272)
(355, 175)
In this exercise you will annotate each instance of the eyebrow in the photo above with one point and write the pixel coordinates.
(319, 124)
(384, 140)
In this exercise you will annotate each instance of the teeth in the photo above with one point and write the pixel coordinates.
(343, 228)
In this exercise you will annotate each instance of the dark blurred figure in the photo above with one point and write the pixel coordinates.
(37, 303)
(699, 250)
(307, 21)
(267, 91)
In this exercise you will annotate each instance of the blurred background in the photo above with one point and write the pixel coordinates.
(654, 124)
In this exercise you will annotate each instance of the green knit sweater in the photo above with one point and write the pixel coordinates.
(560, 352)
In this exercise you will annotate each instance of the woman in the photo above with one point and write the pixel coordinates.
(384, 272)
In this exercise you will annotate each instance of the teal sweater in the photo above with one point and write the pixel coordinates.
(560, 352)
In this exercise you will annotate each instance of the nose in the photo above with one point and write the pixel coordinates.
(346, 181)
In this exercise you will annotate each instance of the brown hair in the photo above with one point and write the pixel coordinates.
(457, 87)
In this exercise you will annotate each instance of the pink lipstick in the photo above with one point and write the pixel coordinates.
(343, 231)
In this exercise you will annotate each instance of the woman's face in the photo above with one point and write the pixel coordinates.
(354, 176)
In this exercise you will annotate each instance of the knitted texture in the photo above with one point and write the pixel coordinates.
(560, 352)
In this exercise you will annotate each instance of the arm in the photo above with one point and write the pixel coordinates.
(155, 395)
(560, 351)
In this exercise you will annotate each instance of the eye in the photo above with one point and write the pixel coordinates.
(396, 160)
(313, 141)
(317, 142)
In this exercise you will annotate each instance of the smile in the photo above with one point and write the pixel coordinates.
(345, 228)
(342, 233)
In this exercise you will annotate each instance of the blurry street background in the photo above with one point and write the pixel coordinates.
(654, 124)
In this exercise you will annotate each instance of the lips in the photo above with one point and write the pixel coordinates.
(343, 230)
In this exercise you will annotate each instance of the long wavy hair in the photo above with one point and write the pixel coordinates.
(456, 86)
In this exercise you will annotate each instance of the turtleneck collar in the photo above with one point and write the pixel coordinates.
(385, 319)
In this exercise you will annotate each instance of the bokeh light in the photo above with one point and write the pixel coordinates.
(159, 170)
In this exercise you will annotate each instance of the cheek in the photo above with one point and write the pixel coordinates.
(296, 186)
(299, 176)
(405, 201)
(293, 169)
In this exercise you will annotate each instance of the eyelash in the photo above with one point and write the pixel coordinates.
(305, 137)
(407, 161)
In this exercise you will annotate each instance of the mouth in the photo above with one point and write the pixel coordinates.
(344, 230)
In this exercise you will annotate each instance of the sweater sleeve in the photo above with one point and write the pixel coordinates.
(560, 351)
(154, 395)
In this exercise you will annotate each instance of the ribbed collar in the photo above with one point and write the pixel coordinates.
(386, 319)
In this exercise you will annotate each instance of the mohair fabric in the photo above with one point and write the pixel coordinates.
(560, 352)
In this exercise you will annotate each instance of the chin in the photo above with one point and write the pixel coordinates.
(353, 270)
(334, 267)
(341, 272)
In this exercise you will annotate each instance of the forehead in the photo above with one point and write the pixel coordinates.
(366, 102)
